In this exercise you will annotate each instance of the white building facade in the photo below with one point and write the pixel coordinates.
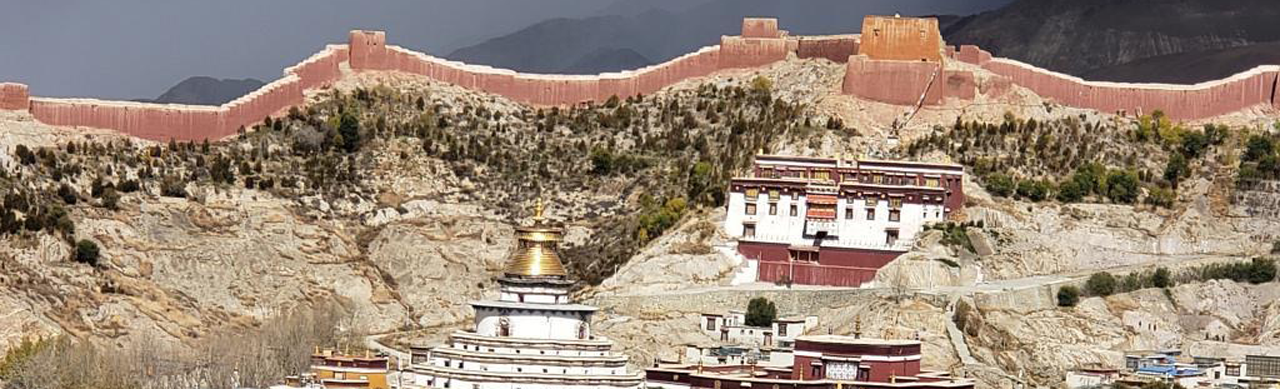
(532, 337)
(826, 221)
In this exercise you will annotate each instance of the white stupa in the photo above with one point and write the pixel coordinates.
(532, 336)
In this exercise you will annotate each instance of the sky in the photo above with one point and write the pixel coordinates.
(130, 49)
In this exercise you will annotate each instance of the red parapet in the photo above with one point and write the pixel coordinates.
(14, 96)
(368, 50)
(760, 28)
(836, 49)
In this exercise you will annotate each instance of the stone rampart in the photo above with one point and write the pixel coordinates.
(903, 82)
(836, 48)
(892, 61)
(761, 28)
(161, 122)
(901, 39)
(1180, 102)
(761, 43)
(14, 96)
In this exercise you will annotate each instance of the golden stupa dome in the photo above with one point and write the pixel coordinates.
(536, 253)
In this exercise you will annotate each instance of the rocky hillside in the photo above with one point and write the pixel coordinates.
(1114, 39)
(393, 197)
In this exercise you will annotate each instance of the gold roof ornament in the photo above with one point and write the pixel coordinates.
(536, 254)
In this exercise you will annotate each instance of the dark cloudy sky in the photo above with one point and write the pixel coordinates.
(138, 48)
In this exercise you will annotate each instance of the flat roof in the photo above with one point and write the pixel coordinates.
(534, 306)
(844, 339)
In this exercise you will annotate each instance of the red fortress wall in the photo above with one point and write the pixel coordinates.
(893, 64)
(14, 96)
(162, 122)
(1182, 102)
(761, 43)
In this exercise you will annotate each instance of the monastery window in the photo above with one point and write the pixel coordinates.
(871, 213)
(895, 215)
(931, 182)
(751, 209)
(774, 195)
(773, 208)
(895, 202)
(749, 230)
(782, 329)
(752, 194)
(582, 330)
(848, 213)
(1233, 370)
(890, 237)
(504, 327)
(711, 324)
(876, 179)
(794, 210)
(822, 175)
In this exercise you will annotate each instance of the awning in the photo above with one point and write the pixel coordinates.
(820, 213)
(821, 199)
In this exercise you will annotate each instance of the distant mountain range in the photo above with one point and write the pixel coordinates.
(201, 90)
(1179, 41)
(607, 42)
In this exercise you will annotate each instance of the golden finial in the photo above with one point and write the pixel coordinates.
(537, 210)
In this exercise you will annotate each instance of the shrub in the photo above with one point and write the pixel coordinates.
(1261, 270)
(129, 186)
(110, 199)
(1122, 186)
(1000, 185)
(1101, 284)
(1162, 197)
(1161, 278)
(760, 312)
(1275, 247)
(173, 186)
(87, 252)
(1034, 190)
(1068, 296)
(1176, 169)
(67, 194)
(1072, 191)
(24, 154)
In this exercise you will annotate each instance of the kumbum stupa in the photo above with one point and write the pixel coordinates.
(532, 336)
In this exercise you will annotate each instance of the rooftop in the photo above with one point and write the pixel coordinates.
(844, 339)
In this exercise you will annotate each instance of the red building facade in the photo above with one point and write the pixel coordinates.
(825, 361)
